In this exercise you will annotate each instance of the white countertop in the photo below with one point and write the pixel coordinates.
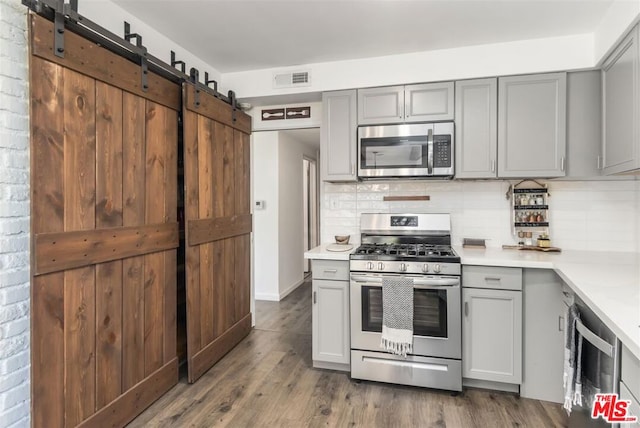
(608, 282)
(321, 253)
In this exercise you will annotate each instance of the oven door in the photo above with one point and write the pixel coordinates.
(436, 314)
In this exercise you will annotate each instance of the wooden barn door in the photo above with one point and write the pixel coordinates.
(104, 233)
(218, 228)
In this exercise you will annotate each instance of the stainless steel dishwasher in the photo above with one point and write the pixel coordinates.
(600, 365)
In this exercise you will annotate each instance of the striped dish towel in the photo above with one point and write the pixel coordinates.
(397, 315)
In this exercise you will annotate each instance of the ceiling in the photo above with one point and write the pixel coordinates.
(239, 35)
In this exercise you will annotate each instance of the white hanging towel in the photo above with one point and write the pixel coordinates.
(397, 315)
(572, 353)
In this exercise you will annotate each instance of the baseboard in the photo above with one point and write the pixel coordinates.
(267, 296)
(273, 297)
(289, 290)
(486, 384)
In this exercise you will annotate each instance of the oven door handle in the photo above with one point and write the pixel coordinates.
(420, 283)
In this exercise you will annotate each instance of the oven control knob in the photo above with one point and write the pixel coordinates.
(370, 265)
(380, 266)
(436, 268)
(425, 268)
(403, 267)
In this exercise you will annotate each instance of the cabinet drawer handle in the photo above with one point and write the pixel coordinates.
(466, 309)
(331, 271)
(492, 278)
(314, 298)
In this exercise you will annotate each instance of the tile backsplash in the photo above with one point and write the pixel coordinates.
(593, 215)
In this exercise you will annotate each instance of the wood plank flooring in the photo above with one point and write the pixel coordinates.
(268, 381)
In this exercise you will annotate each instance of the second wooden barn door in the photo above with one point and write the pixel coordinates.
(218, 228)
(103, 210)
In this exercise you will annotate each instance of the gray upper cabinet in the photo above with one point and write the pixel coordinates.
(476, 128)
(621, 104)
(428, 102)
(584, 124)
(532, 125)
(338, 136)
(411, 103)
(381, 105)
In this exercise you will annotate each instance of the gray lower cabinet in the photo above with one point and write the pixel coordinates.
(338, 136)
(543, 347)
(532, 125)
(330, 314)
(630, 384)
(492, 324)
(476, 128)
(621, 104)
(410, 103)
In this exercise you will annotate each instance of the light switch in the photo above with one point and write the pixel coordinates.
(260, 205)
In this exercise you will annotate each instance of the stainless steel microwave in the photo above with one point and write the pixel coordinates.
(415, 150)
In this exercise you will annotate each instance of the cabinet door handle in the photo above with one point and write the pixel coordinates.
(353, 169)
(599, 162)
(314, 298)
(493, 165)
(466, 309)
(562, 163)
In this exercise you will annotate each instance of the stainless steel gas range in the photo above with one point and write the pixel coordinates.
(417, 246)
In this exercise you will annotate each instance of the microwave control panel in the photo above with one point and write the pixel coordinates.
(442, 151)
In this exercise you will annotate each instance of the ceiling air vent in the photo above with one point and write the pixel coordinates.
(289, 80)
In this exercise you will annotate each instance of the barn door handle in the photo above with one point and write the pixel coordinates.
(314, 298)
(466, 309)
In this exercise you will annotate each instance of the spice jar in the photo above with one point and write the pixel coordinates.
(528, 238)
(539, 200)
(539, 218)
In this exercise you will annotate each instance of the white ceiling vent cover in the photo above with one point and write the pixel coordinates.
(293, 79)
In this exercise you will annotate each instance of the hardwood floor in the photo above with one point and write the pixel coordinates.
(268, 381)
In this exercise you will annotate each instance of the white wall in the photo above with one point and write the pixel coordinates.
(528, 56)
(111, 16)
(14, 217)
(264, 177)
(618, 20)
(290, 224)
(593, 215)
(278, 230)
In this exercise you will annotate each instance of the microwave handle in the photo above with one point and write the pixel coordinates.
(430, 152)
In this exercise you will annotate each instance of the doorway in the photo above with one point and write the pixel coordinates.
(310, 207)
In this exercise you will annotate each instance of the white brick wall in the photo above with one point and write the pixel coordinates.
(14, 217)
(591, 215)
